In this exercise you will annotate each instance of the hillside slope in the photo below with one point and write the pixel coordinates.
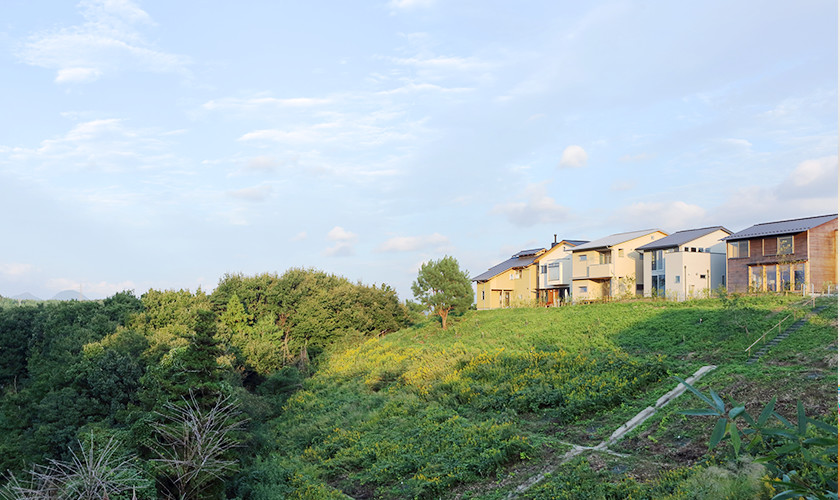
(477, 410)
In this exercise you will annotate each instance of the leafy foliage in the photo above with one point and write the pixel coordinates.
(378, 414)
(90, 474)
(808, 444)
(442, 287)
(568, 385)
(274, 320)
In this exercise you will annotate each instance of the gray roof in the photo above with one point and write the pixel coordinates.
(681, 237)
(520, 259)
(527, 253)
(791, 226)
(574, 242)
(613, 239)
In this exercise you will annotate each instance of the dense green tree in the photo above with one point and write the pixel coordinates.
(16, 326)
(273, 320)
(443, 288)
(60, 389)
(189, 369)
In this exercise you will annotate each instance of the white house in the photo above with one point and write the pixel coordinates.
(686, 264)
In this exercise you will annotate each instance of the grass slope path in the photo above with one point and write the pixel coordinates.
(792, 328)
(603, 446)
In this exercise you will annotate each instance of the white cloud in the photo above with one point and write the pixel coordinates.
(668, 215)
(810, 189)
(77, 75)
(413, 243)
(256, 193)
(262, 164)
(90, 289)
(536, 207)
(410, 88)
(103, 145)
(625, 185)
(346, 132)
(637, 157)
(816, 175)
(254, 103)
(15, 269)
(299, 237)
(108, 41)
(410, 4)
(345, 241)
(443, 63)
(573, 157)
(737, 143)
(338, 233)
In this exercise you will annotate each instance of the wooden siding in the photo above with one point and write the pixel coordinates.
(817, 247)
(823, 247)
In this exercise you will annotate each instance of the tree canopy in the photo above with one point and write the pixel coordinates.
(443, 287)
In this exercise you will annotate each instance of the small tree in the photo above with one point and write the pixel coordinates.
(443, 287)
(193, 444)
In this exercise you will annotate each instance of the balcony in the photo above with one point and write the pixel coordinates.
(599, 271)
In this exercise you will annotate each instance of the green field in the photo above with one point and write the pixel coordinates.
(477, 410)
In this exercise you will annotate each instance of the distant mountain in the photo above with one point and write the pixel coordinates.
(69, 295)
(25, 296)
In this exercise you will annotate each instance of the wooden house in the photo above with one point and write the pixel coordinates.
(797, 255)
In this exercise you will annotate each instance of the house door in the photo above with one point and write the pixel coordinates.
(507, 299)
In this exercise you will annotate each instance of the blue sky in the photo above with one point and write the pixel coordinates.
(159, 144)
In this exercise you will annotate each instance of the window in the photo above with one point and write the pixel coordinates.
(657, 286)
(604, 257)
(757, 277)
(657, 261)
(676, 279)
(482, 295)
(784, 277)
(554, 271)
(702, 276)
(785, 245)
(739, 249)
(798, 275)
(582, 289)
(582, 258)
(771, 278)
(543, 269)
(515, 275)
(621, 252)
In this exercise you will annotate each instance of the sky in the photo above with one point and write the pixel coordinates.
(159, 144)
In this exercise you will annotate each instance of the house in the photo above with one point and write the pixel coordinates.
(685, 264)
(788, 255)
(610, 267)
(555, 272)
(511, 282)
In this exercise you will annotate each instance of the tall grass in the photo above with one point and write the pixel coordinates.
(416, 412)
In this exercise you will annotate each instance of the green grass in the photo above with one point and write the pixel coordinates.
(474, 410)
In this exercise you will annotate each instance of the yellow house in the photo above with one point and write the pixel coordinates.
(511, 283)
(555, 272)
(611, 267)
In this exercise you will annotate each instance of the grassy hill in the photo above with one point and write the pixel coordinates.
(479, 409)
